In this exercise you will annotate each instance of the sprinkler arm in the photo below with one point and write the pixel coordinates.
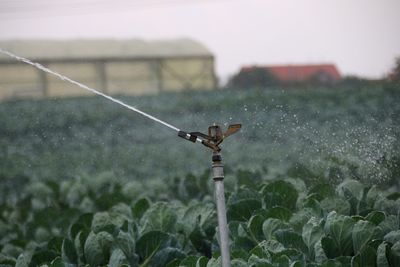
(233, 128)
(214, 137)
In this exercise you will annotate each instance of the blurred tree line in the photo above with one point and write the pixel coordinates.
(260, 77)
(395, 73)
(257, 77)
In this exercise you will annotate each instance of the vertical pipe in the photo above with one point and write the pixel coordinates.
(102, 75)
(44, 83)
(218, 176)
(158, 68)
(214, 76)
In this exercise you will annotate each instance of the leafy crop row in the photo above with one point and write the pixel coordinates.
(336, 133)
(301, 203)
(276, 223)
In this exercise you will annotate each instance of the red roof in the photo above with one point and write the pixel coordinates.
(301, 73)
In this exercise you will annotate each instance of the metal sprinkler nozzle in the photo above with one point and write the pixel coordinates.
(214, 137)
(213, 140)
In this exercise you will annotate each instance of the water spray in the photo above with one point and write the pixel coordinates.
(65, 78)
(211, 140)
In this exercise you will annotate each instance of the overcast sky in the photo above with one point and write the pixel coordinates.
(361, 36)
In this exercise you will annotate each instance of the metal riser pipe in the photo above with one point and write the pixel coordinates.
(218, 176)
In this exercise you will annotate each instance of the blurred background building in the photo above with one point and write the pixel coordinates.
(127, 67)
(322, 73)
(304, 74)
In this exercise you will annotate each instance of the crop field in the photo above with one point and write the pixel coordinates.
(312, 179)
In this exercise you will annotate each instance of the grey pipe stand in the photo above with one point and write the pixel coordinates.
(212, 140)
(218, 176)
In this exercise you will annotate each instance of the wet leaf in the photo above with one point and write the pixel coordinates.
(243, 209)
(362, 232)
(280, 193)
(159, 216)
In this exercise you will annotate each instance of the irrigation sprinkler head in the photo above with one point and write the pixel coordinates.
(213, 140)
(214, 137)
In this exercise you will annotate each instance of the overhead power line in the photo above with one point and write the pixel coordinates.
(22, 9)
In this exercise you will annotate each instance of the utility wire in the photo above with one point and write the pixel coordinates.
(10, 10)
